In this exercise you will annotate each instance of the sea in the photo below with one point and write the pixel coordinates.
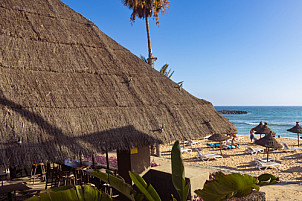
(279, 118)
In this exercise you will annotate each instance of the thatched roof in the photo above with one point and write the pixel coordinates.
(258, 127)
(218, 137)
(263, 129)
(67, 88)
(269, 141)
(296, 129)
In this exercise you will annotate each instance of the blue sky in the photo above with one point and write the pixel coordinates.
(229, 52)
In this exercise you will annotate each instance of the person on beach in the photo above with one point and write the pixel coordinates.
(252, 135)
(233, 140)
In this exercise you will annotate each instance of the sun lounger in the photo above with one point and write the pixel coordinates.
(207, 157)
(206, 137)
(239, 138)
(287, 148)
(215, 145)
(182, 150)
(185, 150)
(264, 160)
(264, 166)
(191, 142)
(230, 146)
(254, 151)
(226, 141)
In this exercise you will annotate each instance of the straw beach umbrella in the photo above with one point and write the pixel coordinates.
(263, 129)
(65, 86)
(269, 142)
(258, 128)
(296, 129)
(219, 138)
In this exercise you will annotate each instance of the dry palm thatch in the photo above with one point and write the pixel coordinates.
(66, 88)
(269, 142)
(258, 127)
(218, 137)
(264, 129)
(296, 129)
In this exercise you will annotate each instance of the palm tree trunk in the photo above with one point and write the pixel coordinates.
(151, 59)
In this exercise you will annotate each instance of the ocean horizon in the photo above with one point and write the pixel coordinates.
(279, 118)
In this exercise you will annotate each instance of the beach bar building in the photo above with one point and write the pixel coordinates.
(67, 89)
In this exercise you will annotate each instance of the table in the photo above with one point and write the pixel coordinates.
(76, 164)
(13, 187)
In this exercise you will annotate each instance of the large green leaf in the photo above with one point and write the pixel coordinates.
(267, 179)
(178, 172)
(227, 186)
(56, 189)
(72, 193)
(149, 192)
(117, 183)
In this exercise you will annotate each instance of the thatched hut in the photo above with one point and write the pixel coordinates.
(67, 88)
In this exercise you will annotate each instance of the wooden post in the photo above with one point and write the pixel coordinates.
(267, 150)
(158, 151)
(93, 161)
(107, 159)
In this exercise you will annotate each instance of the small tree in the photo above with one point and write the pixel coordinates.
(144, 9)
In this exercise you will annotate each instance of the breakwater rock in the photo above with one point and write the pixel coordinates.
(232, 112)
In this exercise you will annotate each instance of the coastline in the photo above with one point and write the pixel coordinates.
(237, 160)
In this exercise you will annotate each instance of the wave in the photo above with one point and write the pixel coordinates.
(269, 124)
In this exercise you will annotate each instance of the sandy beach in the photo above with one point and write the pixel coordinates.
(239, 160)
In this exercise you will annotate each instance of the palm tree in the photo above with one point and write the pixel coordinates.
(144, 9)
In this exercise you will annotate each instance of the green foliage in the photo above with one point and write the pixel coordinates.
(163, 71)
(144, 9)
(267, 179)
(72, 193)
(117, 183)
(178, 172)
(148, 190)
(143, 59)
(224, 187)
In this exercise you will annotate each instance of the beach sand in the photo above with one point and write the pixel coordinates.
(239, 160)
(283, 191)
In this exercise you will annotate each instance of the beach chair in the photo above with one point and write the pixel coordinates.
(206, 137)
(264, 160)
(215, 145)
(230, 146)
(265, 165)
(287, 148)
(207, 157)
(191, 142)
(182, 150)
(226, 141)
(239, 138)
(254, 151)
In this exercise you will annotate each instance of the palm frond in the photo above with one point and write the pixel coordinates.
(143, 58)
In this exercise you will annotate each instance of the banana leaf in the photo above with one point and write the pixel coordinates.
(224, 187)
(267, 179)
(117, 183)
(72, 193)
(149, 192)
(178, 173)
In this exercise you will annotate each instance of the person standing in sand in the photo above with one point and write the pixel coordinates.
(252, 135)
